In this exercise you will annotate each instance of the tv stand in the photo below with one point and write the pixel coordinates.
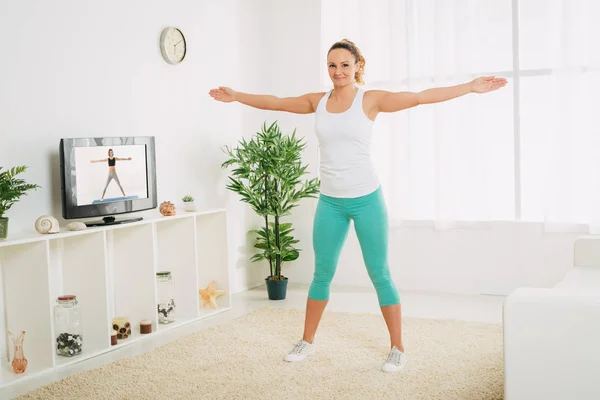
(112, 221)
(112, 271)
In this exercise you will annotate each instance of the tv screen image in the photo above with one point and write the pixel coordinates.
(106, 176)
(110, 173)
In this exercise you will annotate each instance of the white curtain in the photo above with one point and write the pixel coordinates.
(450, 163)
(572, 174)
(530, 151)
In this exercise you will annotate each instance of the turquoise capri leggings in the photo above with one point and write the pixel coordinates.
(330, 229)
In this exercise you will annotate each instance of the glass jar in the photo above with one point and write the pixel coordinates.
(165, 292)
(68, 327)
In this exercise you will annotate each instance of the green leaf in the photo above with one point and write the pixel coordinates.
(291, 256)
(263, 246)
(11, 188)
(259, 232)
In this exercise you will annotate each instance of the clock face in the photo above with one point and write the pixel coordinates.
(172, 45)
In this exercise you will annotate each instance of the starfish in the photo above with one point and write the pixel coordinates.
(209, 295)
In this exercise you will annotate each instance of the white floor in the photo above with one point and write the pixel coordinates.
(427, 305)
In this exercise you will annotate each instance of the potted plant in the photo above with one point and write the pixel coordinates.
(188, 203)
(11, 190)
(268, 176)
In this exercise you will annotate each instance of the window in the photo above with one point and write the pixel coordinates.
(526, 152)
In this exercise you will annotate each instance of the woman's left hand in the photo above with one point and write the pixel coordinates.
(486, 84)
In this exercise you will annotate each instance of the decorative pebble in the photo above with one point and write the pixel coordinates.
(68, 344)
(76, 226)
(166, 311)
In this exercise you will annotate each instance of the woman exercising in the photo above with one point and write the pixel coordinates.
(350, 189)
(112, 172)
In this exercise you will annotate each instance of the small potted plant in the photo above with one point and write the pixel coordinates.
(11, 190)
(188, 203)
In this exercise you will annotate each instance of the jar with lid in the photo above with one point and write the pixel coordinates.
(68, 326)
(165, 292)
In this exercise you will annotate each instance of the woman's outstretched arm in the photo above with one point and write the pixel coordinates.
(396, 101)
(304, 104)
(95, 161)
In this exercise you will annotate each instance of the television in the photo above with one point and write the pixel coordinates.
(107, 176)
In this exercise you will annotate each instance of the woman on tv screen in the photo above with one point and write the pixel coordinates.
(112, 170)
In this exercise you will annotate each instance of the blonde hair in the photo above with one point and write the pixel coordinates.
(358, 57)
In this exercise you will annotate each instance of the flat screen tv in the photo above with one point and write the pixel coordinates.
(107, 176)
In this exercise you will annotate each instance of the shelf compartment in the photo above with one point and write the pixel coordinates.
(132, 283)
(27, 307)
(176, 252)
(78, 267)
(211, 257)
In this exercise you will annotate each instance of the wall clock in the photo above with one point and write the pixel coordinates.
(172, 45)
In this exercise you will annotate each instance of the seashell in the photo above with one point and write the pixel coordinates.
(167, 208)
(76, 226)
(47, 224)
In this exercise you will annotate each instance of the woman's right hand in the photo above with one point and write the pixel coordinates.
(224, 94)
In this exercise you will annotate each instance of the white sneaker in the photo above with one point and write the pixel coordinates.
(300, 351)
(395, 361)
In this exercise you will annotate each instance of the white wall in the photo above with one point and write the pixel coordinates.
(75, 68)
(287, 64)
(82, 68)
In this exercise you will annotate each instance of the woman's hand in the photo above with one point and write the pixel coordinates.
(486, 84)
(224, 94)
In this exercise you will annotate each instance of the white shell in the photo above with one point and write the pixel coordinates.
(76, 226)
(47, 224)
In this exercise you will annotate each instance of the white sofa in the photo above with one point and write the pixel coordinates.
(552, 335)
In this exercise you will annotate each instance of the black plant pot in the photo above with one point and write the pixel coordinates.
(276, 288)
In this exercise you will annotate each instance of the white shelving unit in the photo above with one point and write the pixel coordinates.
(112, 271)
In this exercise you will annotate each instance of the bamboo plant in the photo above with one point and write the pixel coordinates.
(268, 175)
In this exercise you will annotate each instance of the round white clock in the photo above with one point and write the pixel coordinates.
(172, 45)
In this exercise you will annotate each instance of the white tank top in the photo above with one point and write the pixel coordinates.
(344, 138)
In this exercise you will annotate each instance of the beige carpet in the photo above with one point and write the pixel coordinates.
(243, 359)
